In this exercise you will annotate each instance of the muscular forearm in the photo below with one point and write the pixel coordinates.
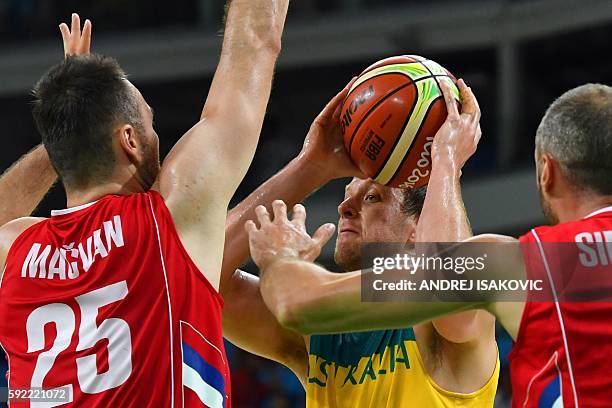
(292, 184)
(309, 299)
(213, 156)
(254, 24)
(443, 218)
(251, 44)
(24, 185)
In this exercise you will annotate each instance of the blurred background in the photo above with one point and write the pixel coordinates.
(516, 55)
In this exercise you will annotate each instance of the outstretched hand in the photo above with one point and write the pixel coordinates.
(76, 42)
(281, 238)
(324, 145)
(459, 135)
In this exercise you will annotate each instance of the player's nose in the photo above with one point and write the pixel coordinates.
(347, 209)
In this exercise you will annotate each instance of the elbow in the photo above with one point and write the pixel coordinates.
(261, 39)
(291, 316)
(464, 327)
(267, 41)
(272, 40)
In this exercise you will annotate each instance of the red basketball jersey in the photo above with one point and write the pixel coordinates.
(561, 353)
(104, 301)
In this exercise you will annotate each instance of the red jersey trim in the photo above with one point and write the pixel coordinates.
(170, 320)
(55, 213)
(559, 316)
(554, 357)
(201, 276)
(599, 212)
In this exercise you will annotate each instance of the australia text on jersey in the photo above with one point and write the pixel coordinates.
(67, 262)
(367, 368)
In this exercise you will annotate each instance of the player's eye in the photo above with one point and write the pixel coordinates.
(371, 198)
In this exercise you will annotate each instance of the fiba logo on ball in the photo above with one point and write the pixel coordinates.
(389, 133)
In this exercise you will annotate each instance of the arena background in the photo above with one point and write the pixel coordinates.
(516, 55)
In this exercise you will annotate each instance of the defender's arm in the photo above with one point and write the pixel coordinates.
(205, 167)
(309, 299)
(25, 184)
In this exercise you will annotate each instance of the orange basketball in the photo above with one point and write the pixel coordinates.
(390, 117)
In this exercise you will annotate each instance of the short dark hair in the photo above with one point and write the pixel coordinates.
(577, 131)
(77, 104)
(412, 202)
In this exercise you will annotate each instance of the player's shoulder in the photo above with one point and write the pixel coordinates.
(18, 226)
(13, 229)
(560, 232)
(491, 238)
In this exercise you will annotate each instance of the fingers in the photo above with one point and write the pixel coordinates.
(250, 227)
(323, 234)
(477, 135)
(280, 210)
(75, 41)
(469, 104)
(333, 107)
(85, 43)
(299, 215)
(76, 26)
(451, 103)
(262, 215)
(65, 36)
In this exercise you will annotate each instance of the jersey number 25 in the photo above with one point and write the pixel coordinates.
(115, 330)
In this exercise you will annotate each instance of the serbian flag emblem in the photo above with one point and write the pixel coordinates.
(204, 370)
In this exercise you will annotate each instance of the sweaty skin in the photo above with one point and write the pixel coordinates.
(250, 324)
(336, 305)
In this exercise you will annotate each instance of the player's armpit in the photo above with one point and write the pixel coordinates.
(248, 324)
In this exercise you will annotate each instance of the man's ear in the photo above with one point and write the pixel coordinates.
(128, 142)
(547, 173)
(550, 174)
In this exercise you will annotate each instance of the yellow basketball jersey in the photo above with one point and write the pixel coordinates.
(379, 369)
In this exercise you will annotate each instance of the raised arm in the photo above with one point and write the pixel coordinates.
(203, 170)
(247, 322)
(24, 185)
(443, 218)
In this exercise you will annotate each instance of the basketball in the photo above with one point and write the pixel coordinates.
(390, 117)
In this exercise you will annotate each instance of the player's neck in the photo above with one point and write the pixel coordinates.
(124, 181)
(76, 197)
(578, 208)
